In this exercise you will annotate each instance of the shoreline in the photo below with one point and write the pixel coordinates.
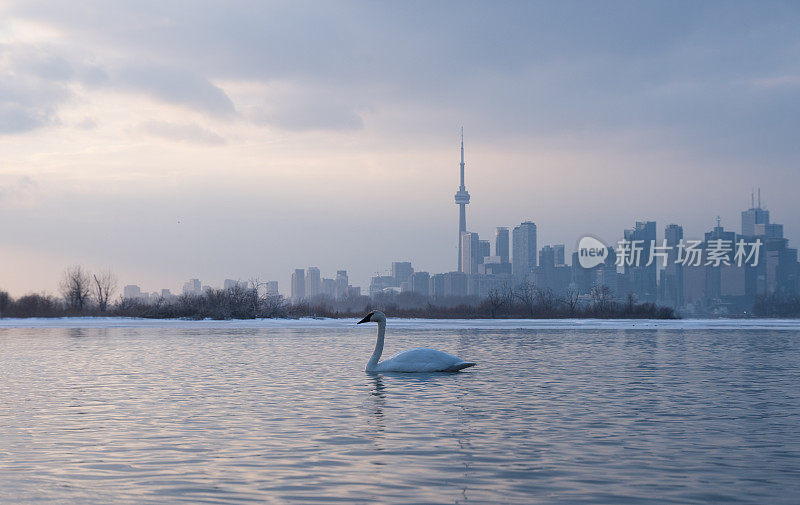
(406, 323)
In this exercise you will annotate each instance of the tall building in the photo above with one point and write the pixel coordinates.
(341, 284)
(420, 283)
(401, 271)
(131, 291)
(641, 280)
(672, 276)
(484, 250)
(754, 216)
(524, 259)
(558, 250)
(193, 287)
(328, 288)
(547, 257)
(470, 252)
(298, 284)
(462, 199)
(313, 282)
(272, 288)
(501, 243)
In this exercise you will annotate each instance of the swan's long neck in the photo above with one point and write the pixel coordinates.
(376, 356)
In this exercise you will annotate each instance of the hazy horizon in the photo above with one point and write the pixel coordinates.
(173, 140)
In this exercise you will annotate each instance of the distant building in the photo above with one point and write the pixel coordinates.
(381, 283)
(642, 280)
(313, 282)
(524, 243)
(558, 251)
(455, 284)
(131, 292)
(493, 265)
(401, 271)
(328, 288)
(462, 200)
(298, 284)
(420, 283)
(193, 287)
(341, 284)
(230, 284)
(672, 275)
(754, 216)
(484, 250)
(470, 252)
(272, 288)
(501, 244)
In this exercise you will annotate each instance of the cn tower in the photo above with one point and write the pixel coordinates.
(462, 199)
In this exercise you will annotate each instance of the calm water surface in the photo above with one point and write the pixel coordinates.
(275, 415)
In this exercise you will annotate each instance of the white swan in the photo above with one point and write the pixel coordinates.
(414, 360)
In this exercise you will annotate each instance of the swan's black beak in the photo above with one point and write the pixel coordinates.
(366, 318)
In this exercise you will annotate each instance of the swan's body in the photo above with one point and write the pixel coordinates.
(414, 360)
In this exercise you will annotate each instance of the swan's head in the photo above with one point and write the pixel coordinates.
(376, 316)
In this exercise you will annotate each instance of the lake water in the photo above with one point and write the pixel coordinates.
(278, 412)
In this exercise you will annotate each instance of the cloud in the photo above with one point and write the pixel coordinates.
(186, 132)
(18, 191)
(173, 85)
(298, 108)
(31, 88)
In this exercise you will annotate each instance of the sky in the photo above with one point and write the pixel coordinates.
(167, 140)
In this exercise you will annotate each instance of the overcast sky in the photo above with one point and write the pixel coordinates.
(167, 140)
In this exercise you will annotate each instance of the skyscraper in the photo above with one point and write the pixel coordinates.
(298, 284)
(524, 259)
(641, 278)
(484, 250)
(341, 284)
(672, 276)
(470, 250)
(558, 249)
(420, 283)
(755, 215)
(462, 199)
(501, 243)
(401, 271)
(313, 282)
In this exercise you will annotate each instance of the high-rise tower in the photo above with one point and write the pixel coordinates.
(462, 199)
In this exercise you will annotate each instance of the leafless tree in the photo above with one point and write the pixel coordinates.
(570, 299)
(256, 298)
(601, 297)
(496, 299)
(526, 294)
(75, 287)
(547, 301)
(104, 287)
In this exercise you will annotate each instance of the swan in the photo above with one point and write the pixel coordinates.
(413, 360)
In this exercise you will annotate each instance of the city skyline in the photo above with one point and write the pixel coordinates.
(222, 143)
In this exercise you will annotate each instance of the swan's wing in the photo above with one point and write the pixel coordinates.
(423, 360)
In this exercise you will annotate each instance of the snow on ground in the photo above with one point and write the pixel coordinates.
(431, 324)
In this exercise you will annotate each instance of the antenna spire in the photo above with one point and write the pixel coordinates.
(759, 198)
(752, 198)
(462, 157)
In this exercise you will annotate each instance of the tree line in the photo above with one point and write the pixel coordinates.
(93, 294)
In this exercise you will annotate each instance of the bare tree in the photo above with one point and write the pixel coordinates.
(104, 287)
(570, 299)
(547, 301)
(75, 287)
(496, 300)
(601, 297)
(526, 294)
